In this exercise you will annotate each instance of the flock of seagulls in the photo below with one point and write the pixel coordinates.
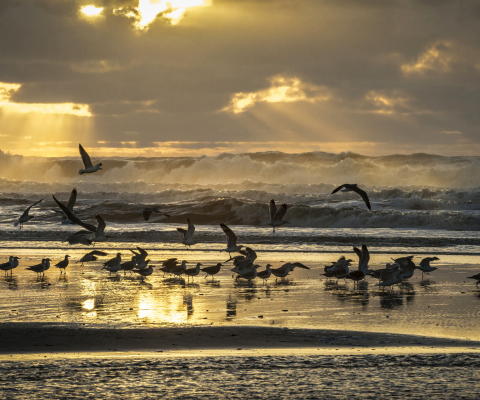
(394, 273)
(244, 265)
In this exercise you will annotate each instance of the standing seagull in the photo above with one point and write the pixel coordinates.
(188, 234)
(25, 217)
(276, 216)
(63, 264)
(89, 168)
(347, 187)
(212, 270)
(231, 240)
(10, 265)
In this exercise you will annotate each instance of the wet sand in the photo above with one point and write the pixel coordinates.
(49, 338)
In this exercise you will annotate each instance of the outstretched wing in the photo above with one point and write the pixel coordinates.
(231, 237)
(98, 253)
(73, 218)
(280, 212)
(338, 188)
(191, 227)
(100, 224)
(85, 157)
(273, 209)
(300, 265)
(358, 252)
(25, 213)
(72, 199)
(364, 196)
(365, 255)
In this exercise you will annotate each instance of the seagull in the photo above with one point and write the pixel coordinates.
(141, 258)
(265, 274)
(129, 265)
(113, 265)
(146, 212)
(231, 240)
(10, 264)
(188, 234)
(40, 268)
(25, 217)
(339, 269)
(347, 187)
(245, 263)
(191, 272)
(71, 203)
(212, 270)
(168, 265)
(98, 230)
(392, 277)
(281, 272)
(91, 256)
(63, 264)
(476, 277)
(362, 271)
(179, 269)
(144, 271)
(276, 216)
(89, 168)
(79, 238)
(425, 265)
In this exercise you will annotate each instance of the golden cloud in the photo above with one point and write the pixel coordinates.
(282, 90)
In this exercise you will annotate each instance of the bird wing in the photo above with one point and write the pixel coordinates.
(182, 231)
(300, 265)
(273, 209)
(364, 196)
(100, 224)
(25, 213)
(72, 199)
(358, 252)
(143, 253)
(191, 227)
(231, 237)
(365, 255)
(252, 256)
(338, 188)
(98, 253)
(73, 218)
(280, 212)
(85, 157)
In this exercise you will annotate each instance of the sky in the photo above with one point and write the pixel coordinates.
(194, 77)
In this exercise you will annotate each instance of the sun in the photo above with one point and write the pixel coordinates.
(91, 10)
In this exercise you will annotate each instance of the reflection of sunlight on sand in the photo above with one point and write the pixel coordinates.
(170, 309)
(89, 304)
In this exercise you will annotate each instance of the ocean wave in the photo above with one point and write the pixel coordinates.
(319, 170)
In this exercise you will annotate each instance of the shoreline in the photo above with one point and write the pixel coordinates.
(40, 339)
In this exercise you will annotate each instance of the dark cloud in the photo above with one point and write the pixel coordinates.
(169, 82)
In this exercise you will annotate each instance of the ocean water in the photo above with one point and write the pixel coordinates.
(417, 376)
(419, 201)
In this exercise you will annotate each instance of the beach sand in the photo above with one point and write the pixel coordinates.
(25, 338)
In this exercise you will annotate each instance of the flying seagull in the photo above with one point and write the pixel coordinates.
(276, 215)
(89, 168)
(146, 212)
(347, 187)
(231, 240)
(25, 217)
(188, 233)
(71, 203)
(98, 230)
